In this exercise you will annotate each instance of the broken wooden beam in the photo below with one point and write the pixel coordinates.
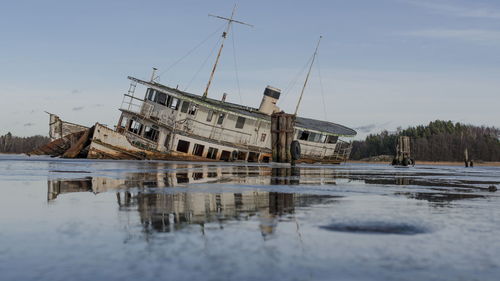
(75, 150)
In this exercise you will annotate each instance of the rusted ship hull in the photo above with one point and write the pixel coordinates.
(109, 144)
(101, 142)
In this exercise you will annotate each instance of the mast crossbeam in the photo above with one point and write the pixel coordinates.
(224, 36)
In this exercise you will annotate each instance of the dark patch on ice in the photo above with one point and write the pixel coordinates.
(439, 196)
(376, 228)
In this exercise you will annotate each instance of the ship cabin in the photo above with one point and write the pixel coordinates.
(200, 128)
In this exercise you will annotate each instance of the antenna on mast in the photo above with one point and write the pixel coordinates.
(307, 77)
(224, 35)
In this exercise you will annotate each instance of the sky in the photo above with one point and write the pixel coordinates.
(381, 64)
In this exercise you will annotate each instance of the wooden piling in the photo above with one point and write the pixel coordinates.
(282, 138)
(403, 152)
(274, 138)
(282, 131)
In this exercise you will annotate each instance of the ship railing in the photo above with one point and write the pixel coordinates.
(133, 104)
(342, 151)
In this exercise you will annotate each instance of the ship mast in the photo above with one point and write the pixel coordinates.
(224, 35)
(307, 77)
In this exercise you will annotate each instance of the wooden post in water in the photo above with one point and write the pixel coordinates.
(282, 130)
(403, 152)
(466, 158)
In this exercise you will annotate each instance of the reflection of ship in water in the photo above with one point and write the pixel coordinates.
(163, 209)
(168, 212)
(160, 178)
(178, 175)
(164, 203)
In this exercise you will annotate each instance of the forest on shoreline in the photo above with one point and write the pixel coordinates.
(437, 141)
(13, 144)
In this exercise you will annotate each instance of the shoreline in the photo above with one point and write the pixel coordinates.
(436, 163)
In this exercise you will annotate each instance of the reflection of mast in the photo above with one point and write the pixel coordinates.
(307, 77)
(224, 35)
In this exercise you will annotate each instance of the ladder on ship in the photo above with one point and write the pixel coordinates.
(128, 98)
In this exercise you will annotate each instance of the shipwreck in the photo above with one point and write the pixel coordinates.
(165, 123)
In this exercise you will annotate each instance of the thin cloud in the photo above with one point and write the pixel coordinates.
(365, 128)
(78, 108)
(372, 127)
(476, 35)
(446, 8)
(76, 91)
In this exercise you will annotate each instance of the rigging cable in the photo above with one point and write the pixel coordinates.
(203, 64)
(292, 83)
(321, 86)
(236, 67)
(192, 50)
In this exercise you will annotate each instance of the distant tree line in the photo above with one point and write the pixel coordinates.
(438, 141)
(13, 144)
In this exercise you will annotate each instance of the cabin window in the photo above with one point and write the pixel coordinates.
(167, 141)
(173, 103)
(151, 133)
(210, 115)
(240, 122)
(314, 137)
(332, 139)
(212, 153)
(135, 127)
(266, 159)
(198, 149)
(185, 106)
(220, 120)
(192, 109)
(182, 178)
(242, 155)
(225, 155)
(263, 137)
(311, 136)
(253, 157)
(124, 122)
(317, 137)
(323, 139)
(150, 93)
(197, 176)
(161, 98)
(183, 146)
(303, 135)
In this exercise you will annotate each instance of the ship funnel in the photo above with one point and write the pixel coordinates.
(269, 100)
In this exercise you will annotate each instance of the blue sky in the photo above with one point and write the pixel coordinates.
(382, 64)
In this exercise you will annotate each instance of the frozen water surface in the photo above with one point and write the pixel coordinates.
(130, 220)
